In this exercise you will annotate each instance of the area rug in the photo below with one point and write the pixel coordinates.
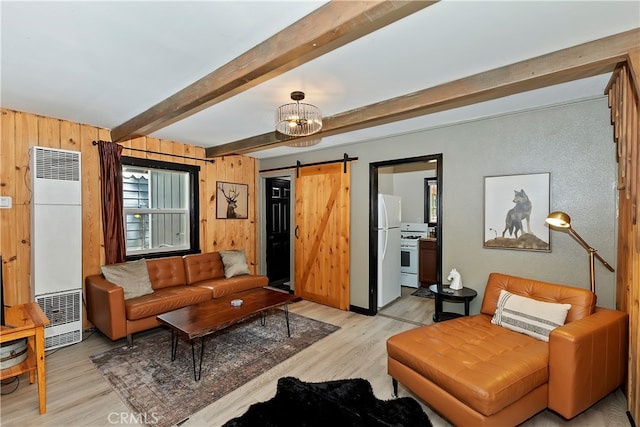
(162, 393)
(424, 293)
(334, 403)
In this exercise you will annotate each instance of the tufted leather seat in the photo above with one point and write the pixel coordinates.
(176, 281)
(487, 370)
(476, 373)
(163, 300)
(207, 271)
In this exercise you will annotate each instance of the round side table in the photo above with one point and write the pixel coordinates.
(443, 293)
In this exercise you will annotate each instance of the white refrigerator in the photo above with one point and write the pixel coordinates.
(388, 248)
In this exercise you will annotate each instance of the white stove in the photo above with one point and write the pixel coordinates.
(410, 234)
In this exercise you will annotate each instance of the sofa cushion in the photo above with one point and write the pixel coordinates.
(528, 316)
(166, 272)
(132, 277)
(164, 300)
(222, 287)
(583, 301)
(235, 263)
(200, 267)
(487, 369)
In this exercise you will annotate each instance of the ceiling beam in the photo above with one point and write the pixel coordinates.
(323, 30)
(634, 65)
(585, 60)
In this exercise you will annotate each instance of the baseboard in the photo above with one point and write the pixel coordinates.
(360, 310)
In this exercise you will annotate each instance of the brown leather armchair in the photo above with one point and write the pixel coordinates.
(476, 373)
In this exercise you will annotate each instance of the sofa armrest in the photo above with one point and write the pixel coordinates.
(105, 307)
(587, 360)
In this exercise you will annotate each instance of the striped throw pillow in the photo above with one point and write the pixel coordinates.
(528, 316)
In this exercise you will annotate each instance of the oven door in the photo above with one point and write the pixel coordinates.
(409, 259)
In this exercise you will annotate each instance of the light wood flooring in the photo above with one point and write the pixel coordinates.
(409, 308)
(78, 396)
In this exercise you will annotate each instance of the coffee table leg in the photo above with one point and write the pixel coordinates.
(263, 318)
(174, 345)
(196, 376)
(286, 316)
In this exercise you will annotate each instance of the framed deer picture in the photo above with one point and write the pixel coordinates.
(232, 200)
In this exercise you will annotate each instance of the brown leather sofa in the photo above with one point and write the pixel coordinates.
(176, 281)
(475, 373)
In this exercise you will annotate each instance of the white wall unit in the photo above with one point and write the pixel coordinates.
(56, 242)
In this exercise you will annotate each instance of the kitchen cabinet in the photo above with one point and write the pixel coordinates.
(428, 261)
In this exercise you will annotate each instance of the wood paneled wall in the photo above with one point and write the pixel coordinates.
(20, 131)
(623, 91)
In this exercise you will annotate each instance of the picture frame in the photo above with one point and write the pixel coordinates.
(515, 209)
(432, 200)
(232, 200)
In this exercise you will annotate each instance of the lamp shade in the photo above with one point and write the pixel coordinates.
(559, 219)
(298, 119)
(562, 221)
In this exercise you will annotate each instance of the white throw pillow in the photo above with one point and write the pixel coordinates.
(235, 263)
(529, 316)
(132, 276)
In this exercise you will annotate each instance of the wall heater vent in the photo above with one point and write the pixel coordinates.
(64, 311)
(57, 164)
(61, 308)
(56, 242)
(62, 340)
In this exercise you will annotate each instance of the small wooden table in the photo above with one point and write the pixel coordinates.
(443, 293)
(27, 321)
(205, 318)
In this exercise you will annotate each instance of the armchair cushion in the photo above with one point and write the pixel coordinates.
(132, 277)
(485, 366)
(528, 316)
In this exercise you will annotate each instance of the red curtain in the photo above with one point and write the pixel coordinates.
(111, 191)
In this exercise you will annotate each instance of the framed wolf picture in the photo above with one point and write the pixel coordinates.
(515, 209)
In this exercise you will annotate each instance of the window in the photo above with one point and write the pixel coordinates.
(161, 208)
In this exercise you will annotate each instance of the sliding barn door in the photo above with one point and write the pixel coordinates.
(322, 234)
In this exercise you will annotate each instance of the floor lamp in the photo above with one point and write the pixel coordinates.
(562, 221)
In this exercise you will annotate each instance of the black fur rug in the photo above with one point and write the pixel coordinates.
(333, 403)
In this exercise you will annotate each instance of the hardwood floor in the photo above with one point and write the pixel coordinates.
(409, 308)
(78, 396)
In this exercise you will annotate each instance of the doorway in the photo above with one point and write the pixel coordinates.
(318, 225)
(278, 235)
(378, 184)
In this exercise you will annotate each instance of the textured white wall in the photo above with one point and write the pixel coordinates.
(573, 142)
(410, 186)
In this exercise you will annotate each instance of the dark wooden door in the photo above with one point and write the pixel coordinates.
(278, 228)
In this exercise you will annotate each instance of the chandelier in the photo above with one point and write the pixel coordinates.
(298, 119)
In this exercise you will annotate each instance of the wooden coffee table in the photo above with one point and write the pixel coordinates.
(203, 319)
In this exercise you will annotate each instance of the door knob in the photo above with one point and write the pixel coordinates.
(296, 232)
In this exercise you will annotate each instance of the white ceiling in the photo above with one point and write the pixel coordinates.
(103, 62)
